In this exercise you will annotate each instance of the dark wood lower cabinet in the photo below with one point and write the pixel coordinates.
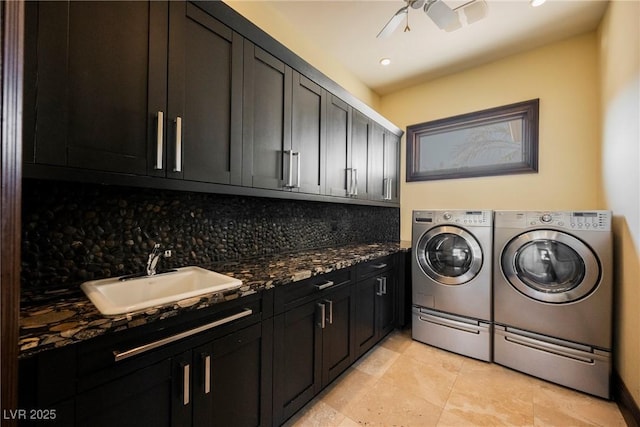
(249, 372)
(297, 359)
(227, 380)
(218, 383)
(319, 339)
(375, 313)
(338, 350)
(142, 398)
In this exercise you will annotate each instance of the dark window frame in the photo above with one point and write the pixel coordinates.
(526, 111)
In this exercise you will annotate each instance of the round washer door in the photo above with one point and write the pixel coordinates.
(449, 255)
(550, 266)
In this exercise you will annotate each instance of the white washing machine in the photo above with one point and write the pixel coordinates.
(451, 277)
(553, 295)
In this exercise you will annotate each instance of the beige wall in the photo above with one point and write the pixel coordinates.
(589, 90)
(271, 21)
(619, 39)
(564, 76)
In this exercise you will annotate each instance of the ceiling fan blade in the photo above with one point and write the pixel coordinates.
(393, 23)
(442, 15)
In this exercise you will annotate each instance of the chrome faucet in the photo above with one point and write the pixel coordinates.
(154, 256)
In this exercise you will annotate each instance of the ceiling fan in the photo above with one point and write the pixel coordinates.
(445, 17)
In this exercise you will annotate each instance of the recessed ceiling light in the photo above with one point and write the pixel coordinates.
(536, 3)
(385, 61)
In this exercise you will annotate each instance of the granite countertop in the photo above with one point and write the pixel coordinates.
(66, 316)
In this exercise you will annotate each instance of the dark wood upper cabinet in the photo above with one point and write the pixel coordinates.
(97, 88)
(338, 145)
(391, 182)
(204, 123)
(360, 141)
(376, 182)
(308, 154)
(283, 126)
(384, 166)
(266, 118)
(144, 88)
(190, 95)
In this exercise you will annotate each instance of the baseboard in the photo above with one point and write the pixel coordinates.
(628, 407)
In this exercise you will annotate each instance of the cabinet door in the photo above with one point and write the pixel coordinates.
(376, 183)
(227, 383)
(266, 122)
(360, 135)
(391, 181)
(338, 343)
(365, 329)
(338, 142)
(307, 164)
(386, 303)
(297, 359)
(375, 310)
(86, 109)
(204, 127)
(156, 395)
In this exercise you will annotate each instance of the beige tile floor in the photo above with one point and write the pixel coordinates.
(402, 382)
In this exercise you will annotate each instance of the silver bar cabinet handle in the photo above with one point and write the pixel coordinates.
(384, 286)
(390, 191)
(178, 165)
(289, 183)
(185, 384)
(207, 373)
(379, 291)
(325, 285)
(121, 355)
(322, 315)
(379, 266)
(299, 156)
(355, 186)
(330, 318)
(385, 189)
(159, 139)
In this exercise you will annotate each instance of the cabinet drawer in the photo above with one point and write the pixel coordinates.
(294, 294)
(97, 361)
(374, 267)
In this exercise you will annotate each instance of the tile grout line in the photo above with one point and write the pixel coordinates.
(450, 392)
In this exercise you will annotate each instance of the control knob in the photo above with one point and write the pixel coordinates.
(546, 218)
(447, 216)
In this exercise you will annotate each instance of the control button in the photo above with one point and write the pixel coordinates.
(560, 223)
(546, 218)
(533, 223)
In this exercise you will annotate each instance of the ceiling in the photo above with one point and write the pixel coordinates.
(348, 28)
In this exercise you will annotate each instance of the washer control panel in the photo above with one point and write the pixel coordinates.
(474, 218)
(572, 220)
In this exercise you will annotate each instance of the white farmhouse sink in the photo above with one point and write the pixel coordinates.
(118, 295)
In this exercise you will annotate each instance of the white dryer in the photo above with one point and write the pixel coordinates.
(451, 279)
(553, 296)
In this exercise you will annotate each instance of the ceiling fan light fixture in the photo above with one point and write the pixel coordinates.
(443, 16)
(475, 11)
(536, 3)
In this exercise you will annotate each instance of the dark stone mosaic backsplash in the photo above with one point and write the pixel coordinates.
(76, 232)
